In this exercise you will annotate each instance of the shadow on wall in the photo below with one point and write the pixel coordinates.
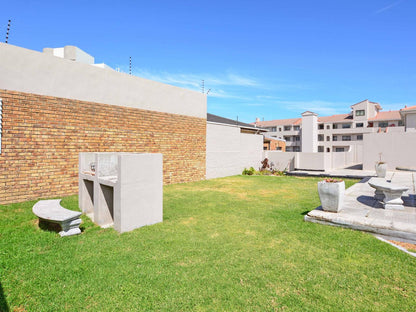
(3, 303)
(355, 167)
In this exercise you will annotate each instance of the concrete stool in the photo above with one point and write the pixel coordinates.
(392, 193)
(52, 211)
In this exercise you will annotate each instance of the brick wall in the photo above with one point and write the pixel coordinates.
(272, 145)
(43, 135)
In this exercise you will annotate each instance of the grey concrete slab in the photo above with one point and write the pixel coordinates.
(335, 173)
(362, 212)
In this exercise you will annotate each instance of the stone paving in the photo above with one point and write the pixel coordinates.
(335, 173)
(362, 212)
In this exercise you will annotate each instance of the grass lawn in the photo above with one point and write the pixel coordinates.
(232, 244)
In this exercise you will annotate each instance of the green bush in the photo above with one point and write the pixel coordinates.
(250, 171)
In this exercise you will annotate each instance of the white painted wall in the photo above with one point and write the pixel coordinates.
(410, 122)
(281, 160)
(40, 73)
(229, 151)
(344, 159)
(398, 149)
(311, 161)
(251, 150)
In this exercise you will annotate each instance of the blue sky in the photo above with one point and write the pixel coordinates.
(266, 59)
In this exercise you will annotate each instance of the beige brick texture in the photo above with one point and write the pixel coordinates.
(42, 137)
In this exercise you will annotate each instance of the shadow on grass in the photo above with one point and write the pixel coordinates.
(49, 226)
(3, 303)
(305, 212)
(53, 227)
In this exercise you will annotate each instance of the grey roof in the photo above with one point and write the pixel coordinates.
(219, 119)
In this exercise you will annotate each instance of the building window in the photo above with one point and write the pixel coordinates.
(401, 124)
(328, 138)
(339, 149)
(320, 149)
(334, 138)
(289, 149)
(287, 128)
(328, 149)
(359, 137)
(346, 138)
(383, 124)
(280, 129)
(320, 126)
(346, 126)
(287, 139)
(334, 126)
(278, 148)
(296, 127)
(360, 112)
(296, 148)
(320, 137)
(296, 138)
(328, 126)
(359, 125)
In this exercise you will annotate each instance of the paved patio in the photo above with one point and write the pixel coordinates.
(335, 173)
(362, 212)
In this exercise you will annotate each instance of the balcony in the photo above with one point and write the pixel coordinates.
(290, 132)
(295, 143)
(347, 131)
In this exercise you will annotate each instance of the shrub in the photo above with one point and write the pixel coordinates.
(250, 171)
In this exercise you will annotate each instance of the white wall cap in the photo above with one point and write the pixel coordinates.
(309, 113)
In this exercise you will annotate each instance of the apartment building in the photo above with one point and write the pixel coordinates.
(336, 133)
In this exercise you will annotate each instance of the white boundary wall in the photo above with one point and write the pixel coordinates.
(313, 161)
(229, 151)
(281, 160)
(40, 73)
(397, 150)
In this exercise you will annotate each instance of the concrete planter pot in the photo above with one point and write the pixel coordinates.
(331, 194)
(381, 169)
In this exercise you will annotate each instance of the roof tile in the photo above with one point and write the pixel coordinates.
(278, 122)
(335, 118)
(409, 108)
(391, 115)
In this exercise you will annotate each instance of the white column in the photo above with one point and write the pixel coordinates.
(309, 132)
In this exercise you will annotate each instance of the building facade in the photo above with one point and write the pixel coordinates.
(274, 144)
(336, 133)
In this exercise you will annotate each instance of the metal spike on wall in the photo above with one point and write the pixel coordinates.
(8, 31)
(130, 66)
